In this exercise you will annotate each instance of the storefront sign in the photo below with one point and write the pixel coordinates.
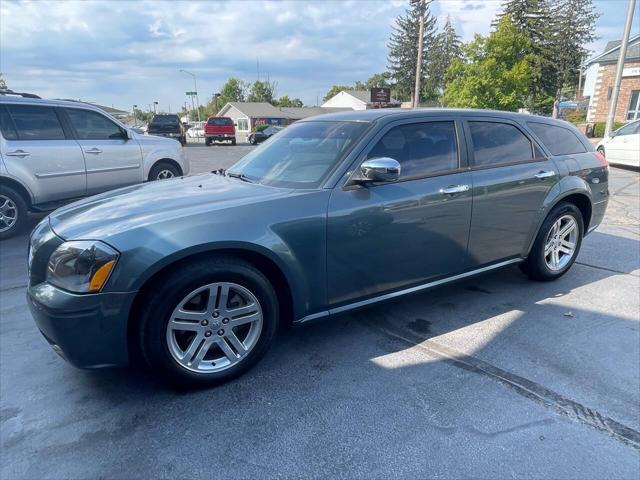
(380, 95)
(631, 72)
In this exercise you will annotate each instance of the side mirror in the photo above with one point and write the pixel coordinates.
(383, 169)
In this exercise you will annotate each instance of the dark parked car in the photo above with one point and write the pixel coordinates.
(335, 213)
(168, 126)
(262, 135)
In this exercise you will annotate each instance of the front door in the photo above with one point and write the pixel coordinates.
(511, 178)
(37, 150)
(386, 236)
(112, 159)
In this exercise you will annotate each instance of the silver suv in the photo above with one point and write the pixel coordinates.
(53, 151)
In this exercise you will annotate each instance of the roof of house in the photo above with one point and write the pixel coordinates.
(612, 51)
(255, 109)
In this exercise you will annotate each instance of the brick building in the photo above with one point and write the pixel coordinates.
(599, 79)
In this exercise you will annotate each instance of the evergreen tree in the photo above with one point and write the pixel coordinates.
(573, 28)
(403, 48)
(445, 49)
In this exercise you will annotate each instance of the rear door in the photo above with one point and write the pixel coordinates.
(41, 153)
(387, 236)
(511, 178)
(111, 158)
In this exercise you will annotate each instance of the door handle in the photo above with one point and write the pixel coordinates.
(18, 153)
(544, 174)
(453, 189)
(93, 150)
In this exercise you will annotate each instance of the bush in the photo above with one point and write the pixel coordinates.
(259, 128)
(598, 131)
(576, 116)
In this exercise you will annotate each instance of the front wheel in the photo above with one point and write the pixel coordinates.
(208, 321)
(557, 244)
(13, 212)
(163, 171)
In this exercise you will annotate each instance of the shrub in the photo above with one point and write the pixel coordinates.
(576, 116)
(598, 131)
(259, 128)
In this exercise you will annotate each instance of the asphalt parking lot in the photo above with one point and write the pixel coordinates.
(495, 377)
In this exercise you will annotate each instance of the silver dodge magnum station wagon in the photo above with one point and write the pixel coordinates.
(53, 151)
(337, 212)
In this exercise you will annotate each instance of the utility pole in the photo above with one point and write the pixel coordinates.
(134, 114)
(623, 53)
(195, 89)
(416, 90)
(154, 107)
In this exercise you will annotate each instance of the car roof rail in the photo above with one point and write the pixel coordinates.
(19, 94)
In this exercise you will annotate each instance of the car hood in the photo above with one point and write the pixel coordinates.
(114, 212)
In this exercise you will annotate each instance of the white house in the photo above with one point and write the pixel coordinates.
(355, 100)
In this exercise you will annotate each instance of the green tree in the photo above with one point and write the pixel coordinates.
(496, 71)
(403, 48)
(334, 90)
(381, 80)
(573, 27)
(285, 101)
(445, 49)
(234, 90)
(262, 91)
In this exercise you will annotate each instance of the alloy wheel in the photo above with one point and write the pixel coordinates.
(8, 213)
(214, 327)
(164, 174)
(560, 244)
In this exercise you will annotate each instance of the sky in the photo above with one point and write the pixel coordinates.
(124, 52)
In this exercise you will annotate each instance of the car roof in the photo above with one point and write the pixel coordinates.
(389, 114)
(42, 101)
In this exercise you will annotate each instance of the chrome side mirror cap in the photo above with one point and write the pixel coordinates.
(383, 169)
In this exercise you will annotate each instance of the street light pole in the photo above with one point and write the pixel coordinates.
(154, 107)
(416, 93)
(135, 119)
(623, 53)
(195, 88)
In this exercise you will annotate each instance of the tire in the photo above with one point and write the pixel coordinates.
(252, 140)
(601, 151)
(207, 142)
(540, 267)
(13, 212)
(159, 344)
(233, 141)
(183, 141)
(163, 170)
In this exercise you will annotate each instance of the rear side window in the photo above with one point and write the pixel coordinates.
(220, 122)
(36, 123)
(93, 126)
(421, 148)
(559, 141)
(6, 125)
(498, 143)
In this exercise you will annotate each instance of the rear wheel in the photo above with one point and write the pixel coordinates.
(207, 142)
(208, 322)
(233, 141)
(13, 212)
(557, 244)
(163, 171)
(601, 151)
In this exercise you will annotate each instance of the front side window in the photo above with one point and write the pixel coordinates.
(559, 140)
(630, 129)
(36, 123)
(91, 125)
(422, 149)
(300, 156)
(499, 143)
(6, 125)
(633, 112)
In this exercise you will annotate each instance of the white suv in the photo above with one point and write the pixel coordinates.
(52, 151)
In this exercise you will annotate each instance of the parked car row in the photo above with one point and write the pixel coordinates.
(326, 217)
(54, 151)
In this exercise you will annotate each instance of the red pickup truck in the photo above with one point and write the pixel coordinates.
(219, 129)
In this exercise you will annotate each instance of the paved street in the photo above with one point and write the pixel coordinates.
(496, 377)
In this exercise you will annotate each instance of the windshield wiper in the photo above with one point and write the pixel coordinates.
(241, 176)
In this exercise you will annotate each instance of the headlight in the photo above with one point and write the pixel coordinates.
(81, 266)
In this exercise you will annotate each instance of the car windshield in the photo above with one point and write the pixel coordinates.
(165, 119)
(301, 155)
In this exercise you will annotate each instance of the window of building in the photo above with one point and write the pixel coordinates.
(498, 143)
(559, 141)
(243, 124)
(633, 112)
(36, 123)
(422, 149)
(93, 126)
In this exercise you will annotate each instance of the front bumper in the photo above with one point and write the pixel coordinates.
(89, 331)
